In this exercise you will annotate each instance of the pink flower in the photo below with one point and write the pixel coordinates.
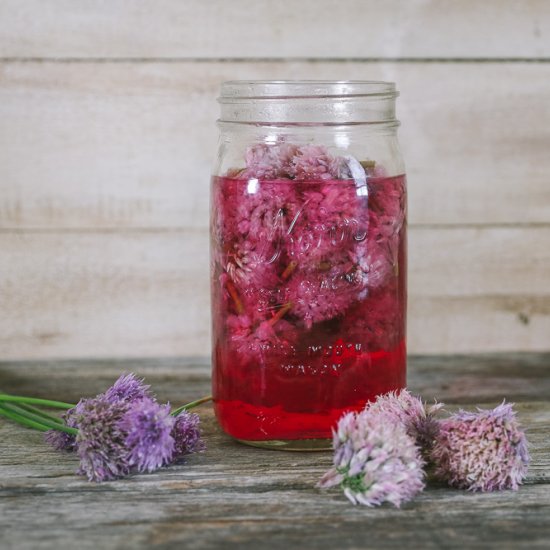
(312, 162)
(374, 263)
(483, 451)
(269, 161)
(299, 225)
(257, 340)
(418, 418)
(319, 296)
(375, 460)
(248, 267)
(376, 319)
(387, 208)
(331, 221)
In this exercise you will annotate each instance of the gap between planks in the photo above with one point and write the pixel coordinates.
(274, 59)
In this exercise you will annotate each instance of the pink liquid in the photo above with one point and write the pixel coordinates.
(308, 308)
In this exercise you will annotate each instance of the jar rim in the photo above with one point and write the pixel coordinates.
(279, 89)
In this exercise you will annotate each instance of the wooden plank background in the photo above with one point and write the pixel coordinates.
(107, 137)
(340, 29)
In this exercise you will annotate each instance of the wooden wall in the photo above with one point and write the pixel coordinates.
(107, 136)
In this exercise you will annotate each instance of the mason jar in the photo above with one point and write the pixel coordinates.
(308, 257)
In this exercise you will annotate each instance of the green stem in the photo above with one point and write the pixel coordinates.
(21, 420)
(38, 412)
(35, 401)
(191, 405)
(38, 419)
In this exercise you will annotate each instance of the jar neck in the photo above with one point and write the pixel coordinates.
(308, 103)
(377, 142)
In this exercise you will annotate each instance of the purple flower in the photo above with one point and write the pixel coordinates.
(125, 430)
(147, 428)
(100, 443)
(417, 417)
(375, 460)
(127, 388)
(187, 435)
(483, 451)
(60, 441)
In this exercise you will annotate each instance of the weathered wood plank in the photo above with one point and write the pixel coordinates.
(245, 28)
(102, 289)
(482, 323)
(131, 145)
(147, 293)
(274, 514)
(453, 379)
(241, 497)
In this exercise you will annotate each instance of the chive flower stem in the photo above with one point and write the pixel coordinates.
(35, 401)
(191, 405)
(289, 270)
(38, 412)
(38, 419)
(281, 313)
(235, 297)
(22, 420)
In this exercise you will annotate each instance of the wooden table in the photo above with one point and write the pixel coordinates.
(235, 496)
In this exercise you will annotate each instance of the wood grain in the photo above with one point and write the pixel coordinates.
(131, 145)
(283, 29)
(234, 496)
(107, 138)
(67, 294)
(99, 294)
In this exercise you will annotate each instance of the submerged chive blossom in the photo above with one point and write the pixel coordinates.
(299, 224)
(418, 418)
(375, 460)
(482, 451)
(147, 428)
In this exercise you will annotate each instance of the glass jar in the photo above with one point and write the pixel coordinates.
(308, 257)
